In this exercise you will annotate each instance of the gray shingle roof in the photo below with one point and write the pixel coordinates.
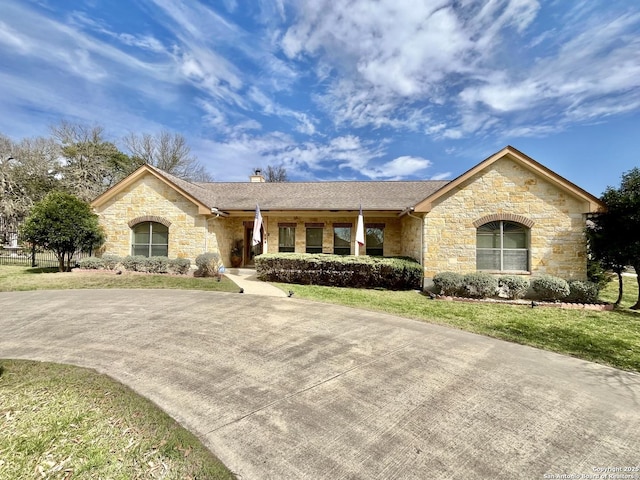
(320, 195)
(230, 196)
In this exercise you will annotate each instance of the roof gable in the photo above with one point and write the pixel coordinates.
(190, 191)
(515, 155)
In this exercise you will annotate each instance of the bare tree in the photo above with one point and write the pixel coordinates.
(276, 174)
(169, 152)
(27, 174)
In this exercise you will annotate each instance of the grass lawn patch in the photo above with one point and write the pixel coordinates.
(14, 278)
(65, 422)
(608, 337)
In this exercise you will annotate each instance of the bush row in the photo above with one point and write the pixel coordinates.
(545, 287)
(394, 273)
(137, 263)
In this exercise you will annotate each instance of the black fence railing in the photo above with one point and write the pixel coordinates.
(15, 252)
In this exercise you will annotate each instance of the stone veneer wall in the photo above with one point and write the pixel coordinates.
(411, 231)
(557, 242)
(189, 234)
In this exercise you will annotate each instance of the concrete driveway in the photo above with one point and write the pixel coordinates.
(281, 388)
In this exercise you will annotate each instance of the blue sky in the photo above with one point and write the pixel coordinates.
(337, 89)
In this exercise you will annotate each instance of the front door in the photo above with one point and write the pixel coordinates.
(250, 250)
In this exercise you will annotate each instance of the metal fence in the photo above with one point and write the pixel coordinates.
(15, 252)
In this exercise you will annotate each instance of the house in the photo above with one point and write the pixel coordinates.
(508, 214)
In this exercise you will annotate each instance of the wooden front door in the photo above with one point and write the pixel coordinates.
(250, 251)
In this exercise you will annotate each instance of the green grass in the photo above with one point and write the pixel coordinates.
(63, 422)
(14, 278)
(608, 337)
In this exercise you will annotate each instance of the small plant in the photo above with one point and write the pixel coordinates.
(479, 285)
(135, 263)
(208, 265)
(111, 262)
(448, 283)
(158, 265)
(91, 263)
(179, 266)
(550, 288)
(583, 292)
(513, 287)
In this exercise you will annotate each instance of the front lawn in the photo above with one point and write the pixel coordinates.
(64, 422)
(13, 278)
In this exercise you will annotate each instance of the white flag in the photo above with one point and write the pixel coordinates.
(360, 229)
(257, 226)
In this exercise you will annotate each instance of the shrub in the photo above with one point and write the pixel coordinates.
(91, 263)
(208, 265)
(394, 273)
(111, 262)
(583, 292)
(179, 266)
(158, 264)
(135, 263)
(448, 283)
(513, 287)
(479, 285)
(550, 288)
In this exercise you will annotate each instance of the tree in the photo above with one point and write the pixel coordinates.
(27, 174)
(608, 251)
(169, 152)
(276, 174)
(64, 224)
(615, 236)
(91, 164)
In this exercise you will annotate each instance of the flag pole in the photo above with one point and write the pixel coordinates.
(359, 233)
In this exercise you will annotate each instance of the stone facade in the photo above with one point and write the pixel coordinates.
(189, 235)
(440, 231)
(507, 190)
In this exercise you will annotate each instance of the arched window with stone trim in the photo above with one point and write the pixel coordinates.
(502, 244)
(150, 237)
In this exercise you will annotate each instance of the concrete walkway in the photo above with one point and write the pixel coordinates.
(247, 279)
(282, 388)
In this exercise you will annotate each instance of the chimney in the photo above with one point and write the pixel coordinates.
(257, 176)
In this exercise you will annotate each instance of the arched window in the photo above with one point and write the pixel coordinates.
(150, 239)
(502, 246)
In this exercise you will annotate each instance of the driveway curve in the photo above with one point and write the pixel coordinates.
(282, 388)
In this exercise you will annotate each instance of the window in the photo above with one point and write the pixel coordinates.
(150, 239)
(374, 240)
(286, 238)
(342, 239)
(502, 245)
(314, 239)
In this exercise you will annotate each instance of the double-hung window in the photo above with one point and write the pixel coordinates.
(150, 239)
(342, 238)
(314, 237)
(502, 246)
(286, 237)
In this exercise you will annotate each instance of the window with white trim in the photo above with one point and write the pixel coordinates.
(502, 246)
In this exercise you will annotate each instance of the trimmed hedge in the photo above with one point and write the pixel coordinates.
(513, 287)
(479, 285)
(583, 292)
(91, 263)
(448, 283)
(550, 288)
(393, 273)
(208, 265)
(179, 266)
